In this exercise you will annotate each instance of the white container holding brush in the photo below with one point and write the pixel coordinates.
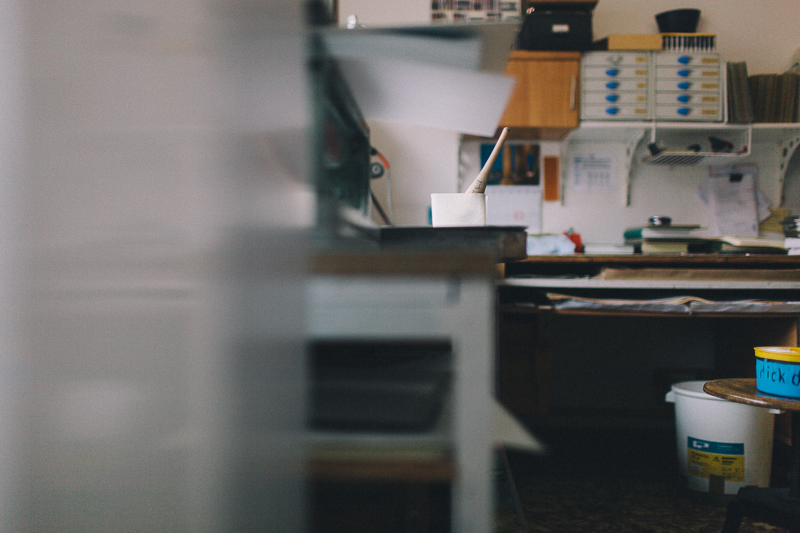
(451, 209)
(467, 208)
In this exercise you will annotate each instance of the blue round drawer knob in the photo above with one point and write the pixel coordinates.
(612, 97)
(612, 110)
(612, 72)
(684, 85)
(684, 60)
(684, 111)
(683, 98)
(684, 72)
(612, 85)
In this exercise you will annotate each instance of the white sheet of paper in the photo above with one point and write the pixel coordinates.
(591, 172)
(732, 205)
(448, 77)
(514, 205)
(456, 99)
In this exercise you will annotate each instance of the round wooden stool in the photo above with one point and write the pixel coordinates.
(776, 506)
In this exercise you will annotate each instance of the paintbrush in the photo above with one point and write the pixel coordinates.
(479, 185)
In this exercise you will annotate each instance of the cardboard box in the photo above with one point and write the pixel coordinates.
(629, 41)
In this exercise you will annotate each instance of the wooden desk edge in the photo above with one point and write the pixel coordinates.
(423, 263)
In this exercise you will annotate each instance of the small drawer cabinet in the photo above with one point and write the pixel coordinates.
(672, 86)
(615, 86)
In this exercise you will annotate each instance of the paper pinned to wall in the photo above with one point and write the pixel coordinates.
(514, 205)
(733, 202)
(592, 172)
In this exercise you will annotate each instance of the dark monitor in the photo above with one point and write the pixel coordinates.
(340, 142)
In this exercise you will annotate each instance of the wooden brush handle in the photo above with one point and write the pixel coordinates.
(479, 185)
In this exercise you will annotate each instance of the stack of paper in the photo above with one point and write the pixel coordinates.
(792, 245)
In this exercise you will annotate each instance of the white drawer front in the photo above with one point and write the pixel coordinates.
(687, 73)
(614, 72)
(688, 85)
(614, 112)
(615, 85)
(618, 98)
(682, 98)
(688, 112)
(616, 58)
(687, 59)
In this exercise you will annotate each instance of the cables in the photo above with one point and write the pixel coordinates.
(379, 168)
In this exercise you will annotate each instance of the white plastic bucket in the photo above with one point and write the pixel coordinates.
(721, 443)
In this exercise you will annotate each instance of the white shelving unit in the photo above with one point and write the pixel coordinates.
(458, 308)
(782, 139)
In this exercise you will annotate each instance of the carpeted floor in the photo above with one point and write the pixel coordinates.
(613, 480)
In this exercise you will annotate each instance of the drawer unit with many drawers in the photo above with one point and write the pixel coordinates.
(687, 86)
(615, 86)
(651, 85)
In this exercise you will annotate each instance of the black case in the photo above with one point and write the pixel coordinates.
(557, 26)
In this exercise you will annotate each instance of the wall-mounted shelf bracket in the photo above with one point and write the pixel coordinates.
(787, 147)
(630, 145)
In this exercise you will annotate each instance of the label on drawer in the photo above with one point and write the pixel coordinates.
(723, 459)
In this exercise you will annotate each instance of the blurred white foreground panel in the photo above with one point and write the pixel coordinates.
(154, 214)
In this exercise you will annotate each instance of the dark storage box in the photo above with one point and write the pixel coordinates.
(557, 26)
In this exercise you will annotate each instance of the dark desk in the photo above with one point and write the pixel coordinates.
(528, 318)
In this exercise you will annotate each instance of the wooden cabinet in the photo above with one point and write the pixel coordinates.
(545, 98)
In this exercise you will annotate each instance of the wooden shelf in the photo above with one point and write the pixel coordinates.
(390, 463)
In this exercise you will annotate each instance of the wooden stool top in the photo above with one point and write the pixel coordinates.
(742, 390)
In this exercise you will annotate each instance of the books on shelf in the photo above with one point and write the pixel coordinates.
(740, 106)
(774, 97)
